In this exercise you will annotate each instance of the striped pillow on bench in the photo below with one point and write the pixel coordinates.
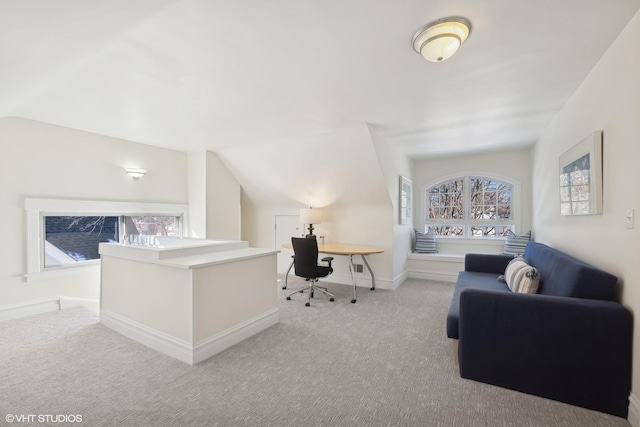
(515, 245)
(425, 243)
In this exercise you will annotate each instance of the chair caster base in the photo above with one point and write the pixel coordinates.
(284, 287)
(307, 305)
(372, 289)
(288, 298)
(331, 299)
(353, 301)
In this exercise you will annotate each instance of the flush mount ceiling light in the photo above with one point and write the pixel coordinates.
(136, 173)
(440, 39)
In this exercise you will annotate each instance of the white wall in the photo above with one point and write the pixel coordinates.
(514, 166)
(394, 164)
(197, 194)
(214, 198)
(47, 161)
(223, 201)
(608, 100)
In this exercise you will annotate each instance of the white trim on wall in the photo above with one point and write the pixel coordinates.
(183, 350)
(90, 303)
(29, 308)
(45, 305)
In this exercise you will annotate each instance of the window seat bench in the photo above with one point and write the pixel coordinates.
(449, 260)
(437, 257)
(439, 266)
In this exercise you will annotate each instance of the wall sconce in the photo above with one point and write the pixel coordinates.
(440, 39)
(136, 173)
(311, 216)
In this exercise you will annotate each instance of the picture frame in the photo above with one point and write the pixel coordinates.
(406, 200)
(581, 177)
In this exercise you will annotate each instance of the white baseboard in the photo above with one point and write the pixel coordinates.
(29, 308)
(159, 341)
(399, 280)
(89, 303)
(183, 350)
(432, 275)
(46, 305)
(219, 342)
(634, 411)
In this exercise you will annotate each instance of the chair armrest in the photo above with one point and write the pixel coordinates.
(573, 350)
(328, 259)
(486, 263)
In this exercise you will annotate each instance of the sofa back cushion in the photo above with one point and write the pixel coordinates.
(565, 276)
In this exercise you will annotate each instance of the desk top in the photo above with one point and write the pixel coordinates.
(343, 249)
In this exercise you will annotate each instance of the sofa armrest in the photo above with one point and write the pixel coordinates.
(486, 263)
(573, 350)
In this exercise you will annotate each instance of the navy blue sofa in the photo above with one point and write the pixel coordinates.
(570, 342)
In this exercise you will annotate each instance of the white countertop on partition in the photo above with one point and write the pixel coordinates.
(186, 253)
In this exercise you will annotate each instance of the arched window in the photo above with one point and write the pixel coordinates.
(470, 206)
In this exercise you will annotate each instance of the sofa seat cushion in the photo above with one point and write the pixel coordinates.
(469, 279)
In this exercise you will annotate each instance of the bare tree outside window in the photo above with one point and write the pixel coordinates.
(446, 201)
(71, 240)
(141, 229)
(470, 207)
(490, 199)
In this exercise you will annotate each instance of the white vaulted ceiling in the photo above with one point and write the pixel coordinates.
(206, 74)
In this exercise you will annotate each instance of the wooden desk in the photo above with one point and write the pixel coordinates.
(344, 249)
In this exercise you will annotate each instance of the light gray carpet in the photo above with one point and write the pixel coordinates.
(384, 361)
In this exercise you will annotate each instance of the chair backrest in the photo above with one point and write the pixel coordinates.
(305, 257)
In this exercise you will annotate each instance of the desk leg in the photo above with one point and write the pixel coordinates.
(373, 278)
(352, 270)
(286, 276)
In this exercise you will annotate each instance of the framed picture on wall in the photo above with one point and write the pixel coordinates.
(406, 200)
(581, 177)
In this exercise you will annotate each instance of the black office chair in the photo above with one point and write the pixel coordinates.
(305, 263)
